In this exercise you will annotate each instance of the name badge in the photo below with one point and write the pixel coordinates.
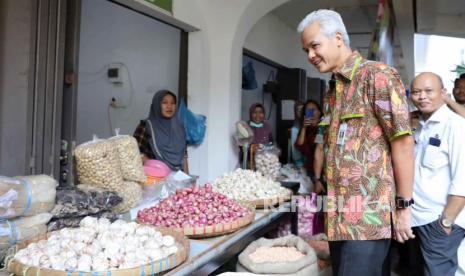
(434, 141)
(341, 134)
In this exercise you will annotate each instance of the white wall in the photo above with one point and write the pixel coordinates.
(273, 39)
(149, 50)
(214, 84)
(427, 58)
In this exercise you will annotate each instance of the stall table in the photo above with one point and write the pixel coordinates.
(207, 255)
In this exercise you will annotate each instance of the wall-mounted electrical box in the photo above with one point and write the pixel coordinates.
(114, 74)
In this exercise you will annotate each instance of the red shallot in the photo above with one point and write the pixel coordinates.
(197, 206)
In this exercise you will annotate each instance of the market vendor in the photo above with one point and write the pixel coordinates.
(262, 130)
(162, 135)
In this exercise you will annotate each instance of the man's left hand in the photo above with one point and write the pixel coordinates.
(446, 230)
(402, 226)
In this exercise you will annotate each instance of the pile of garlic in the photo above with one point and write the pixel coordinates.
(267, 163)
(99, 245)
(247, 185)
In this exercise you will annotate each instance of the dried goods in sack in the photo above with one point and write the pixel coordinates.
(281, 262)
(267, 161)
(98, 164)
(24, 228)
(84, 200)
(129, 155)
(26, 195)
(131, 193)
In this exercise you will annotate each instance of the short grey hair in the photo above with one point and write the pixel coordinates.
(330, 23)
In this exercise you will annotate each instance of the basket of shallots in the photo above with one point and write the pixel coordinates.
(198, 212)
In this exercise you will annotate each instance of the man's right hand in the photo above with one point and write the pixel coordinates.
(403, 225)
(318, 187)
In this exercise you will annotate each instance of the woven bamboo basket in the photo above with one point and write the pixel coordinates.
(14, 266)
(273, 201)
(215, 230)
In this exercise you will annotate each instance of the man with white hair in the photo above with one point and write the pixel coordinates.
(439, 190)
(368, 150)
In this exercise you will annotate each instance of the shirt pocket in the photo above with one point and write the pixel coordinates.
(355, 122)
(434, 157)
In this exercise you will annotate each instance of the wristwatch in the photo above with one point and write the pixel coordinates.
(445, 222)
(314, 178)
(402, 203)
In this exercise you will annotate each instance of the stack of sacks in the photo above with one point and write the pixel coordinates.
(24, 205)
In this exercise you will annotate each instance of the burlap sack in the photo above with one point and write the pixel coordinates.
(306, 271)
(304, 266)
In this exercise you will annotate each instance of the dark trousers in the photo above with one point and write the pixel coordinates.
(439, 250)
(365, 258)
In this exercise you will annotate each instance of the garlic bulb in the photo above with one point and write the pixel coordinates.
(99, 245)
(88, 222)
(248, 185)
(267, 163)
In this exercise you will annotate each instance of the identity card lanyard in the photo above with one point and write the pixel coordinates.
(343, 126)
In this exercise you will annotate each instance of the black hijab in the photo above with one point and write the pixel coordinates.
(169, 136)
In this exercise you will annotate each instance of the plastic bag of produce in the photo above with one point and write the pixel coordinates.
(129, 156)
(98, 164)
(131, 193)
(25, 228)
(26, 195)
(84, 200)
(305, 265)
(73, 222)
(173, 183)
(267, 161)
(306, 216)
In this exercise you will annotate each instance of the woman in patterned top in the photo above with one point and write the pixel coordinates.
(162, 135)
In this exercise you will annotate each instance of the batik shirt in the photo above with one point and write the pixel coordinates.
(370, 100)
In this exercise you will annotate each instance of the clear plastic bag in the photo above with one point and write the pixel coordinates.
(98, 164)
(129, 156)
(26, 195)
(131, 193)
(173, 183)
(267, 161)
(25, 228)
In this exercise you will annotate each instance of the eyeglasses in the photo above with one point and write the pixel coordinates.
(417, 92)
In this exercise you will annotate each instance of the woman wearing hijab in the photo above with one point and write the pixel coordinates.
(261, 129)
(162, 135)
